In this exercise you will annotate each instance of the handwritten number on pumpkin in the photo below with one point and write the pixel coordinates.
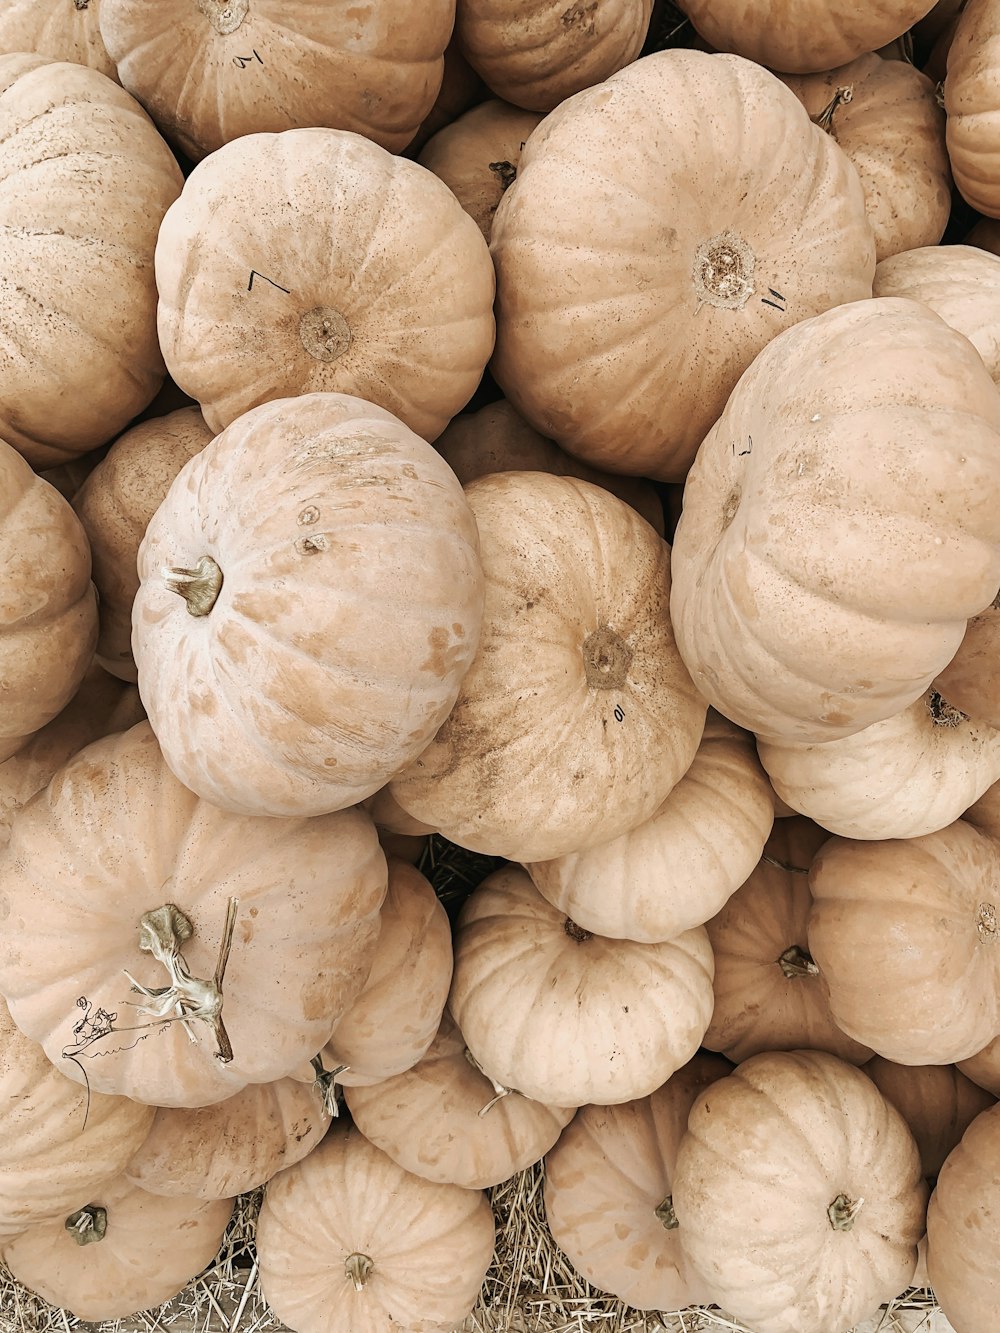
(255, 274)
(243, 61)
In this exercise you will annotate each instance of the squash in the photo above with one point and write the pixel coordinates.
(971, 680)
(315, 261)
(985, 235)
(60, 29)
(971, 104)
(124, 1251)
(84, 183)
(622, 327)
(48, 604)
(608, 1192)
(215, 70)
(798, 1194)
(461, 88)
(983, 1068)
(446, 1120)
(769, 993)
(115, 504)
(885, 116)
(577, 716)
(841, 523)
(680, 866)
(152, 955)
(267, 578)
(349, 1242)
(905, 934)
(566, 1017)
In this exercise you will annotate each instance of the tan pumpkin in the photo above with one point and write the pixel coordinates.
(231, 1147)
(802, 36)
(769, 993)
(212, 71)
(349, 1242)
(971, 680)
(983, 1068)
(566, 1017)
(60, 29)
(124, 1251)
(577, 716)
(461, 88)
(798, 1194)
(905, 934)
(315, 261)
(446, 1120)
(267, 578)
(584, 351)
(938, 1102)
(175, 956)
(57, 1145)
(960, 282)
(84, 183)
(841, 523)
(910, 774)
(963, 1228)
(538, 54)
(679, 867)
(390, 817)
(477, 155)
(607, 1192)
(985, 235)
(971, 102)
(115, 505)
(885, 116)
(496, 439)
(48, 604)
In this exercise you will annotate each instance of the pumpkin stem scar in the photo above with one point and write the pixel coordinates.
(824, 118)
(324, 333)
(986, 923)
(499, 1088)
(225, 16)
(326, 1087)
(796, 962)
(722, 273)
(200, 586)
(606, 659)
(665, 1212)
(358, 1267)
(88, 1224)
(162, 933)
(944, 714)
(843, 1212)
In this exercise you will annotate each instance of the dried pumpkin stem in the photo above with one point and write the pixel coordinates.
(326, 1087)
(843, 1212)
(576, 932)
(824, 118)
(785, 865)
(505, 172)
(797, 962)
(944, 714)
(88, 1224)
(359, 1267)
(665, 1212)
(499, 1088)
(200, 586)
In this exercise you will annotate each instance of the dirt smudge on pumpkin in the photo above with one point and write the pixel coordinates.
(443, 654)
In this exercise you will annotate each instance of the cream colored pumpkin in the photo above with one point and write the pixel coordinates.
(971, 680)
(59, 29)
(461, 88)
(938, 1102)
(972, 103)
(983, 1068)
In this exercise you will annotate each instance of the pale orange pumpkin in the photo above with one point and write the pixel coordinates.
(461, 88)
(85, 180)
(938, 1102)
(985, 235)
(60, 29)
(983, 1068)
(971, 102)
(153, 955)
(315, 261)
(292, 539)
(971, 680)
(215, 70)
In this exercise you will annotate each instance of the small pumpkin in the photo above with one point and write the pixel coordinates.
(983, 1068)
(985, 235)
(971, 680)
(60, 29)
(971, 103)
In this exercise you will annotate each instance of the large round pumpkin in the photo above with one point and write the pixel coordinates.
(310, 602)
(841, 523)
(84, 183)
(60, 29)
(623, 326)
(972, 103)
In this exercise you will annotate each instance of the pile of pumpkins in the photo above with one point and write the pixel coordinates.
(488, 424)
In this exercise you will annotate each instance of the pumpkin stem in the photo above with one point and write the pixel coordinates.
(723, 271)
(162, 932)
(944, 714)
(88, 1224)
(326, 1087)
(785, 865)
(200, 587)
(359, 1267)
(824, 118)
(606, 659)
(506, 172)
(796, 962)
(986, 922)
(576, 932)
(665, 1212)
(324, 333)
(500, 1090)
(843, 1211)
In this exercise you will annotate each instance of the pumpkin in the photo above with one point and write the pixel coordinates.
(313, 260)
(48, 605)
(963, 1230)
(537, 55)
(461, 88)
(985, 235)
(115, 505)
(212, 71)
(983, 1068)
(679, 867)
(971, 680)
(910, 774)
(885, 116)
(960, 282)
(84, 183)
(769, 993)
(840, 525)
(390, 817)
(971, 104)
(584, 350)
(268, 576)
(231, 1147)
(448, 1121)
(798, 1194)
(577, 716)
(607, 1192)
(477, 155)
(349, 1242)
(802, 36)
(57, 1144)
(60, 29)
(153, 957)
(124, 1251)
(567, 1017)
(905, 934)
(496, 439)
